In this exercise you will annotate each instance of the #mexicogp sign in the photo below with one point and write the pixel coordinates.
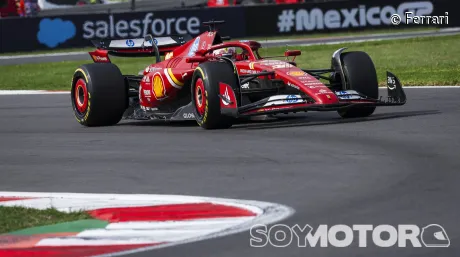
(340, 16)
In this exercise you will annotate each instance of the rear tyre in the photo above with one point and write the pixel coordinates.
(359, 71)
(99, 94)
(205, 94)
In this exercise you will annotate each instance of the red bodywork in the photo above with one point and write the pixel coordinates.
(11, 8)
(162, 81)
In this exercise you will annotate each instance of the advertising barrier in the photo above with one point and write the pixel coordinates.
(27, 34)
(44, 33)
(345, 16)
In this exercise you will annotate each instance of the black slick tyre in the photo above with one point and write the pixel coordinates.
(98, 94)
(205, 93)
(360, 73)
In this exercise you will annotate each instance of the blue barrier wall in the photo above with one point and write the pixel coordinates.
(335, 16)
(29, 34)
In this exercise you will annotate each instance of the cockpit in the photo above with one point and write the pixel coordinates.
(238, 51)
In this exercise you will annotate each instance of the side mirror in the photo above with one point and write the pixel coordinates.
(196, 59)
(292, 53)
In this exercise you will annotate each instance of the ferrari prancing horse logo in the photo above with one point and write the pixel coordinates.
(227, 97)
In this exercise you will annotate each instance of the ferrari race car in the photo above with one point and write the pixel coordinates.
(216, 81)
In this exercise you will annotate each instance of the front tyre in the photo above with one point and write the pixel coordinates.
(359, 71)
(205, 94)
(98, 94)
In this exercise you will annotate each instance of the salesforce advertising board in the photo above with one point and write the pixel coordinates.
(336, 16)
(79, 30)
(111, 27)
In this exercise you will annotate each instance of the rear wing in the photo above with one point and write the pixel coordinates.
(138, 47)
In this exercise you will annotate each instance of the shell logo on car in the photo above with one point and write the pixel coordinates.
(158, 85)
(169, 55)
(296, 73)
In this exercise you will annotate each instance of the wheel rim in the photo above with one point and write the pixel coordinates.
(81, 96)
(200, 97)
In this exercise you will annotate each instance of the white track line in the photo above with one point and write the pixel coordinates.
(429, 87)
(406, 35)
(82, 204)
(7, 57)
(169, 199)
(72, 241)
(342, 41)
(183, 224)
(32, 92)
(154, 235)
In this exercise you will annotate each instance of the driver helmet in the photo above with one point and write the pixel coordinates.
(243, 56)
(229, 52)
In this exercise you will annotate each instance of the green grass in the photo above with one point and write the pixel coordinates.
(16, 218)
(417, 61)
(63, 50)
(347, 33)
(314, 35)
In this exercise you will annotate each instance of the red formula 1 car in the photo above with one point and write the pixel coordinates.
(216, 82)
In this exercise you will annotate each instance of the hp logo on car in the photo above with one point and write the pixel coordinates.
(130, 43)
(291, 99)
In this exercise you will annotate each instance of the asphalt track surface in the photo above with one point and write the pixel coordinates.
(399, 166)
(79, 56)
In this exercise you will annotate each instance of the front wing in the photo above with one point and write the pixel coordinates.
(396, 97)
